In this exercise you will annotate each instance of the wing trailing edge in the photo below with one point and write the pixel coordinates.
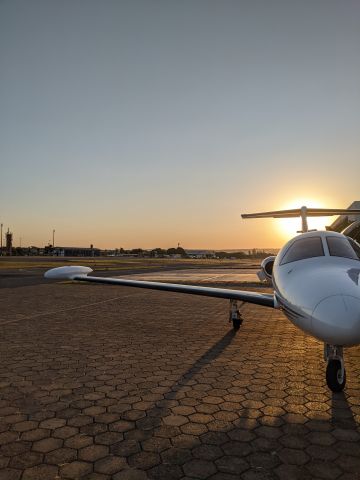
(266, 300)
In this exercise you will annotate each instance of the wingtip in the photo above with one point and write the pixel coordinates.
(66, 273)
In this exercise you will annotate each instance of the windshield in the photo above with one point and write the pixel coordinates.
(303, 248)
(343, 247)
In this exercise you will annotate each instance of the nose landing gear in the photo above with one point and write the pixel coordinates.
(235, 315)
(335, 370)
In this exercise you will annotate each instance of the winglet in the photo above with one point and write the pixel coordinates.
(66, 273)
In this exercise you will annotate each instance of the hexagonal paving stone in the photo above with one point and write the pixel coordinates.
(15, 448)
(109, 438)
(293, 456)
(324, 470)
(110, 465)
(93, 428)
(125, 448)
(185, 441)
(75, 470)
(175, 420)
(10, 474)
(41, 472)
(292, 472)
(93, 453)
(164, 472)
(240, 449)
(78, 441)
(156, 444)
(26, 460)
(232, 465)
(199, 468)
(132, 474)
(61, 456)
(183, 410)
(52, 423)
(8, 437)
(207, 452)
(176, 456)
(64, 432)
(144, 460)
(25, 426)
(321, 438)
(47, 445)
(79, 421)
(121, 426)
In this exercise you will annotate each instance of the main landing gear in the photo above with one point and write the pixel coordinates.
(335, 370)
(235, 315)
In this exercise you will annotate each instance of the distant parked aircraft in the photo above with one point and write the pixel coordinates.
(316, 281)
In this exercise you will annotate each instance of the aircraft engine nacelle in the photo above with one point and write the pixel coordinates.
(353, 231)
(265, 274)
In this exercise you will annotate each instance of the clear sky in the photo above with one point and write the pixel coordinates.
(151, 122)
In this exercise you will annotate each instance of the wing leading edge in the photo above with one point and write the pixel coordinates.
(266, 300)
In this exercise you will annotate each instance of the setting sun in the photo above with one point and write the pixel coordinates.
(290, 226)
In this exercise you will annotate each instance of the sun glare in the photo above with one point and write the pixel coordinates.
(289, 226)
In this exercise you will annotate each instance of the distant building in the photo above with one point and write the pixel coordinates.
(201, 253)
(75, 252)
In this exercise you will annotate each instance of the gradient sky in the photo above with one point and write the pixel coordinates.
(147, 123)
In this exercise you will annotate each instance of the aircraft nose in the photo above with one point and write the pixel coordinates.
(336, 320)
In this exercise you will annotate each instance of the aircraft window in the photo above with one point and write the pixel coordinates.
(341, 247)
(304, 248)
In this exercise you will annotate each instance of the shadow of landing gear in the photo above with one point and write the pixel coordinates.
(341, 413)
(162, 408)
(209, 356)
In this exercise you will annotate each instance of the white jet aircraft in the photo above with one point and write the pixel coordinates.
(316, 282)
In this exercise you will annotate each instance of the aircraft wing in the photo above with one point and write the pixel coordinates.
(81, 274)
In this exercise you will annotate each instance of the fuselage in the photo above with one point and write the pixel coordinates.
(316, 279)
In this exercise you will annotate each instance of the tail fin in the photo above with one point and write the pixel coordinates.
(303, 212)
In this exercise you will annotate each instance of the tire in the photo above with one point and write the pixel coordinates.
(236, 324)
(332, 376)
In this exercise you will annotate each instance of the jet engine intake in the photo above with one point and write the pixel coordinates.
(265, 274)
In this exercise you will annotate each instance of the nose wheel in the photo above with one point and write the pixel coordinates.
(335, 370)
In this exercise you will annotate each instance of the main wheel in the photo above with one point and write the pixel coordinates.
(236, 324)
(333, 376)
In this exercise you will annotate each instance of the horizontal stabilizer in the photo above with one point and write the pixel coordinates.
(298, 212)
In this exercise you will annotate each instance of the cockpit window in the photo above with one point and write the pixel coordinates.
(303, 248)
(341, 247)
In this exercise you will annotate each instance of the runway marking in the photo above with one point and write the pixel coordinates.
(54, 312)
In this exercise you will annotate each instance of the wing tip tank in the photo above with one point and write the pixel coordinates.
(66, 273)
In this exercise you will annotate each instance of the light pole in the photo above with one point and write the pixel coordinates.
(53, 238)
(1, 227)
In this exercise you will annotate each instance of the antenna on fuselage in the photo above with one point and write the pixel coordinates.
(304, 213)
